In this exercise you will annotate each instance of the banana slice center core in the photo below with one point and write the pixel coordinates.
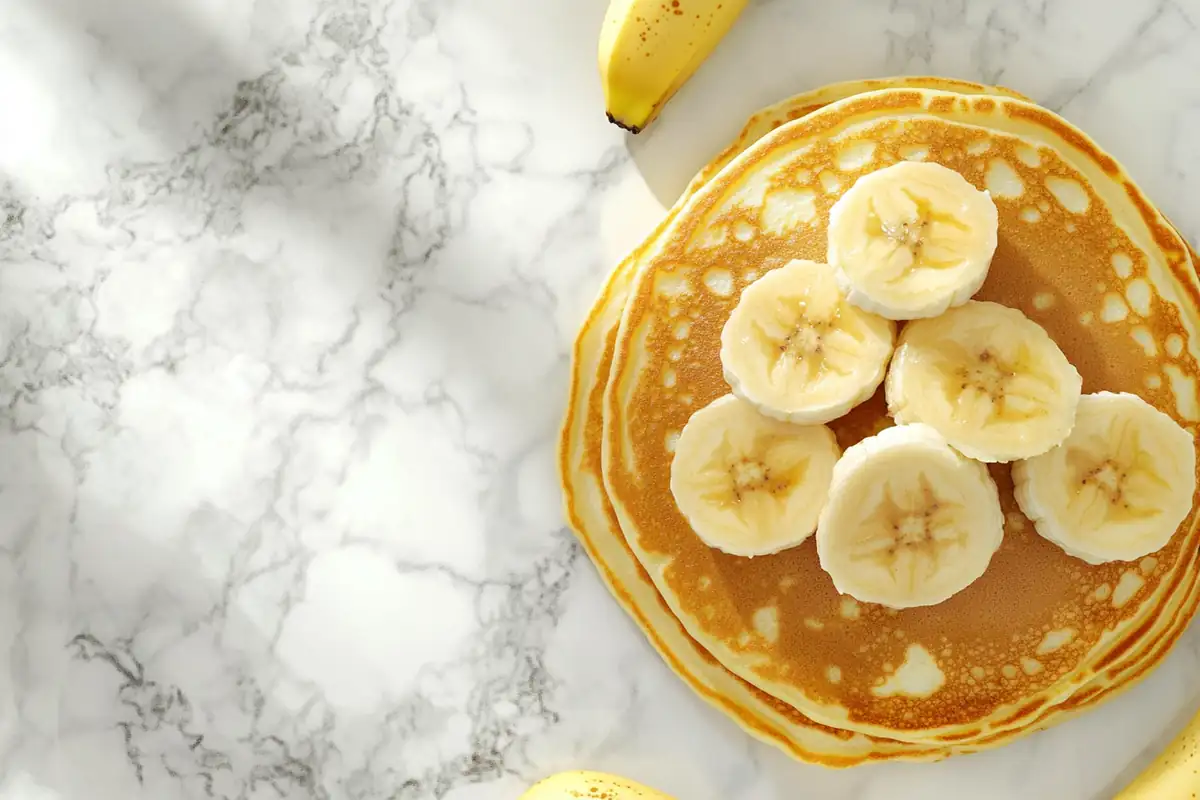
(907, 234)
(988, 374)
(750, 476)
(767, 471)
(907, 222)
(806, 341)
(908, 520)
(1013, 389)
(913, 530)
(1114, 486)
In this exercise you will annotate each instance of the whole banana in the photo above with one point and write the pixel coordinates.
(649, 48)
(586, 785)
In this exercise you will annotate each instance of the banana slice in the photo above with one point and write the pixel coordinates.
(909, 521)
(1118, 487)
(988, 379)
(911, 240)
(747, 484)
(796, 350)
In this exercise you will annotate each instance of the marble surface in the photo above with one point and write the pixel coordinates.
(286, 294)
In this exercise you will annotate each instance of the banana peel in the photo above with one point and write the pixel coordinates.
(587, 785)
(1175, 774)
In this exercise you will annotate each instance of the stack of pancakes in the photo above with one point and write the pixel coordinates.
(1041, 636)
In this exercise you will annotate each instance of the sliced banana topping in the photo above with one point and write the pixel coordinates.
(909, 521)
(750, 485)
(796, 350)
(988, 379)
(1118, 487)
(911, 240)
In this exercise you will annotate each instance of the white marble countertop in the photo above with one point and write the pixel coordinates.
(286, 294)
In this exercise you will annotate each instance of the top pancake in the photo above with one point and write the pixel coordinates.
(1074, 236)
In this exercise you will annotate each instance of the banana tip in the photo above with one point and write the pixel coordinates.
(631, 128)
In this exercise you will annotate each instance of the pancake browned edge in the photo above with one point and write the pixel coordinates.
(775, 722)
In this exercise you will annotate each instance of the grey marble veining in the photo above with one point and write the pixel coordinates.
(287, 291)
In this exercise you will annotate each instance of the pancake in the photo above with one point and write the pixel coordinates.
(992, 643)
(592, 518)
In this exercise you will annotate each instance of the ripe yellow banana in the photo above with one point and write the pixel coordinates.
(585, 785)
(1175, 774)
(649, 48)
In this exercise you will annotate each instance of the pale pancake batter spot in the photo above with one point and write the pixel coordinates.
(1127, 587)
(1044, 206)
(813, 624)
(1043, 300)
(1153, 381)
(1030, 214)
(1054, 640)
(856, 157)
(743, 231)
(671, 441)
(1070, 227)
(1138, 294)
(1002, 180)
(1031, 666)
(766, 623)
(786, 209)
(1122, 265)
(669, 378)
(675, 353)
(850, 609)
(1174, 345)
(833, 674)
(713, 237)
(919, 676)
(830, 182)
(1102, 592)
(681, 330)
(704, 583)
(1086, 318)
(667, 284)
(1145, 338)
(751, 193)
(786, 583)
(1147, 565)
(979, 146)
(1184, 389)
(977, 673)
(719, 281)
(1015, 520)
(1069, 194)
(686, 399)
(1115, 309)
(1029, 156)
(1008, 671)
(914, 152)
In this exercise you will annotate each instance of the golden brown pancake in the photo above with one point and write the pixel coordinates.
(1039, 623)
(592, 518)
